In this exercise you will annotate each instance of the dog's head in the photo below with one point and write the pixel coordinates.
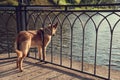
(52, 28)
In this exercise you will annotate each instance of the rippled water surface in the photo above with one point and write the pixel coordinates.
(104, 25)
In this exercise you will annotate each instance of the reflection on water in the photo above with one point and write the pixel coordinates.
(62, 41)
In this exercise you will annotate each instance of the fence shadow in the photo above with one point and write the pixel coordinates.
(57, 69)
(8, 69)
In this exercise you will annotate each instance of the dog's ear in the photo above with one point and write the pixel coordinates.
(55, 25)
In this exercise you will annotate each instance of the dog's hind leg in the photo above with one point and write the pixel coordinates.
(18, 62)
(25, 52)
(19, 55)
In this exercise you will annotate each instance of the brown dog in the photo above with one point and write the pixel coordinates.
(35, 38)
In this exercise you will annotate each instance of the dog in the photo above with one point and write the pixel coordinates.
(33, 38)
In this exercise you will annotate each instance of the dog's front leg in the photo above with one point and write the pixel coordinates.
(40, 53)
(44, 54)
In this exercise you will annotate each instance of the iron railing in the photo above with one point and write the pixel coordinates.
(86, 36)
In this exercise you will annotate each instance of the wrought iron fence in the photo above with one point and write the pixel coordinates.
(85, 36)
(7, 29)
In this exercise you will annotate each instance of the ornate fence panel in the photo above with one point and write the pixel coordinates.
(86, 36)
(8, 29)
(90, 37)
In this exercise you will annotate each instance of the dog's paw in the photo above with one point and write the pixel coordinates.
(21, 70)
(40, 60)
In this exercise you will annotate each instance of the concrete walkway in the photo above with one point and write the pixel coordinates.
(35, 70)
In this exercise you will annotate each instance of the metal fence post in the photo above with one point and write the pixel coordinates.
(21, 16)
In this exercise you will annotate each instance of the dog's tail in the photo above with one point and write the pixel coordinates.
(17, 48)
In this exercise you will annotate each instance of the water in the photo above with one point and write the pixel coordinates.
(104, 37)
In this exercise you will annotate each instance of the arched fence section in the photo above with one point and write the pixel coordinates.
(7, 30)
(84, 39)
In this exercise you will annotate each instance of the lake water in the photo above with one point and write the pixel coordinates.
(63, 38)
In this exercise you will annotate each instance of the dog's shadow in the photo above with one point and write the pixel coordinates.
(40, 65)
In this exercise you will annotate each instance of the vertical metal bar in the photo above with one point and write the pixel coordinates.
(7, 39)
(95, 51)
(61, 46)
(18, 16)
(21, 15)
(109, 67)
(25, 18)
(51, 47)
(19, 2)
(66, 8)
(43, 48)
(83, 49)
(51, 51)
(71, 47)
